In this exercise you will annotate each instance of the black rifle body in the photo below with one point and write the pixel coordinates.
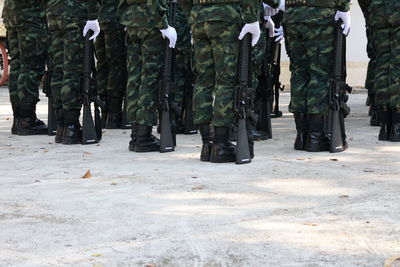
(51, 114)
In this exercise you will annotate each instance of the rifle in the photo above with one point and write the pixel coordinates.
(338, 109)
(51, 113)
(266, 91)
(241, 98)
(187, 113)
(276, 68)
(91, 130)
(167, 86)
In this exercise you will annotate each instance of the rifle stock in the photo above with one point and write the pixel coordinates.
(51, 114)
(335, 121)
(91, 129)
(241, 92)
(167, 84)
(190, 128)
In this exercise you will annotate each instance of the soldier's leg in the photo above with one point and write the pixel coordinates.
(381, 27)
(394, 79)
(116, 81)
(203, 68)
(225, 51)
(15, 64)
(134, 67)
(320, 48)
(32, 40)
(299, 65)
(152, 51)
(178, 96)
(70, 90)
(370, 80)
(56, 54)
(101, 72)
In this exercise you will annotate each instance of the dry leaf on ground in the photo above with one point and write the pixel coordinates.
(87, 175)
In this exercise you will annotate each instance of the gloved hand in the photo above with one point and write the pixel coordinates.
(346, 19)
(279, 34)
(171, 34)
(94, 26)
(270, 25)
(253, 29)
(269, 11)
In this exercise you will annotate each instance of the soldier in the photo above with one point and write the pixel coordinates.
(216, 26)
(369, 82)
(68, 23)
(111, 64)
(384, 18)
(26, 32)
(146, 25)
(309, 26)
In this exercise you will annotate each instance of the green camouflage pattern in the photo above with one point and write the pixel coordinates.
(384, 18)
(73, 10)
(27, 37)
(152, 14)
(310, 48)
(111, 64)
(108, 11)
(216, 50)
(145, 50)
(66, 19)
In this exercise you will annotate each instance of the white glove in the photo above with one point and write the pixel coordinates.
(270, 25)
(269, 11)
(282, 5)
(94, 26)
(253, 29)
(170, 33)
(346, 19)
(279, 34)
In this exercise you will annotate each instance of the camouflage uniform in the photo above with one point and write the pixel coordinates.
(309, 26)
(182, 52)
(384, 17)
(66, 19)
(215, 28)
(26, 32)
(110, 51)
(145, 48)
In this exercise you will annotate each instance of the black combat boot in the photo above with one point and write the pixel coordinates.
(145, 141)
(72, 133)
(16, 116)
(114, 113)
(315, 137)
(385, 117)
(222, 149)
(60, 126)
(373, 112)
(207, 138)
(302, 126)
(133, 137)
(29, 124)
(394, 135)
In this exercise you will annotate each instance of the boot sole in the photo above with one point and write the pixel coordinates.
(66, 141)
(394, 139)
(26, 132)
(146, 149)
(204, 158)
(315, 148)
(221, 159)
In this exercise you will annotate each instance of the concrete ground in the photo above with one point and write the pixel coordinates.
(287, 208)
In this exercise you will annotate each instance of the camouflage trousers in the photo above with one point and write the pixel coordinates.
(181, 67)
(370, 80)
(27, 48)
(385, 20)
(216, 51)
(66, 52)
(145, 51)
(111, 60)
(310, 48)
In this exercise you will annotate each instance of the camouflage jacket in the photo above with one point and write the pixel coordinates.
(246, 10)
(145, 13)
(320, 12)
(17, 11)
(73, 10)
(108, 11)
